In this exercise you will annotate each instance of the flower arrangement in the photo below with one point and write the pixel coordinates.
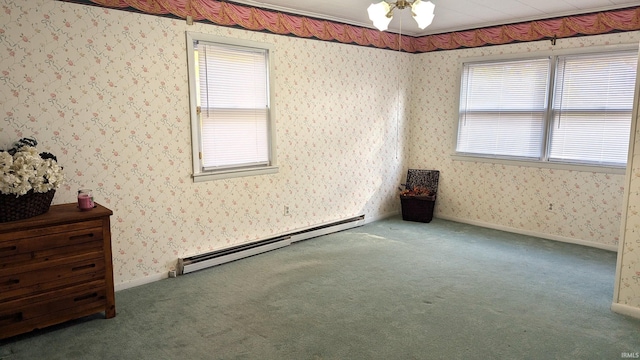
(23, 168)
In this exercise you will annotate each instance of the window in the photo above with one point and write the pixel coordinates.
(231, 112)
(498, 115)
(591, 113)
(567, 109)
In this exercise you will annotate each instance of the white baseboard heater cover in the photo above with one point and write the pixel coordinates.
(218, 257)
(328, 228)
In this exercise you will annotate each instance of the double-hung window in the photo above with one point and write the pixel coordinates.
(572, 109)
(231, 108)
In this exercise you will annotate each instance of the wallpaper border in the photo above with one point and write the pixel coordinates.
(225, 13)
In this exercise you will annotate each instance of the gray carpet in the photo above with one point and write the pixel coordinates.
(388, 290)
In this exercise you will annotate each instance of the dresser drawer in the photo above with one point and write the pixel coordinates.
(45, 257)
(39, 239)
(32, 312)
(22, 281)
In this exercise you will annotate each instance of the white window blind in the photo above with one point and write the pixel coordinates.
(502, 108)
(234, 100)
(521, 110)
(592, 108)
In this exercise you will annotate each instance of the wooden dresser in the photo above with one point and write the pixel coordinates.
(55, 267)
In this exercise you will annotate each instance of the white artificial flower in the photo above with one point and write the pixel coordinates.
(33, 152)
(26, 170)
(6, 161)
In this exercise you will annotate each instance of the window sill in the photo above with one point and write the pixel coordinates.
(543, 164)
(235, 173)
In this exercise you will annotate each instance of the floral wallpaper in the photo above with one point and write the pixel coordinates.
(107, 92)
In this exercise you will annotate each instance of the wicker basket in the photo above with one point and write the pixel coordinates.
(14, 208)
(417, 208)
(420, 208)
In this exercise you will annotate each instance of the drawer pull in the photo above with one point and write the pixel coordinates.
(83, 267)
(85, 297)
(8, 248)
(11, 282)
(10, 319)
(80, 237)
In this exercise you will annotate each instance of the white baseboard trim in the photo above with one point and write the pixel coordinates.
(593, 244)
(142, 281)
(626, 310)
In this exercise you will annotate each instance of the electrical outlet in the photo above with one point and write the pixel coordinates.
(286, 210)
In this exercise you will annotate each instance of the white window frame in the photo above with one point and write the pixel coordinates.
(543, 162)
(200, 173)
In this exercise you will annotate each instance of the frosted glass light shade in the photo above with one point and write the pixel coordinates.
(378, 14)
(423, 12)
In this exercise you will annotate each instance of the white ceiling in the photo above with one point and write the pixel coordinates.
(450, 15)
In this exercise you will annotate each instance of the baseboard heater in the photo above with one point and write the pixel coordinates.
(328, 228)
(218, 257)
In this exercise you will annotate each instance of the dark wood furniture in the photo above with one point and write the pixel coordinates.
(55, 267)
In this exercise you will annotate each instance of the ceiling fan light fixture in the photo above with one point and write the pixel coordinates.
(381, 14)
(422, 12)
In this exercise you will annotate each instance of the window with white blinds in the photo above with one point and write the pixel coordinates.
(592, 105)
(569, 109)
(232, 99)
(498, 115)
